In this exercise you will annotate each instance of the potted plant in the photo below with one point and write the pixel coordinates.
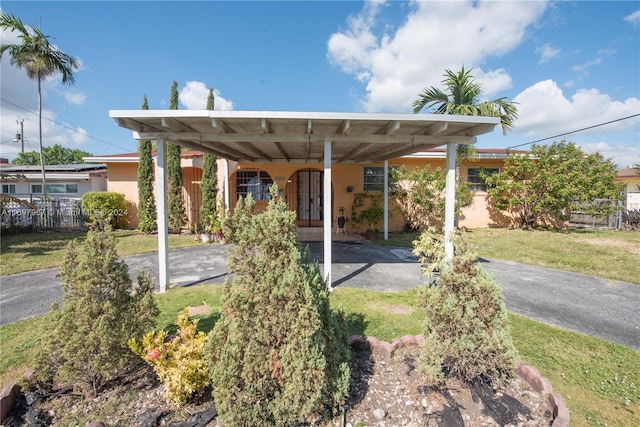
(196, 234)
(205, 235)
(371, 215)
(213, 229)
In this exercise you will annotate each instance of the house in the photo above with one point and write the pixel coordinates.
(301, 184)
(631, 176)
(68, 182)
(122, 177)
(301, 152)
(65, 186)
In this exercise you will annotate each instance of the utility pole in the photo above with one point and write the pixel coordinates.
(20, 136)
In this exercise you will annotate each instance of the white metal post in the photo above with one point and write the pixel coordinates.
(328, 214)
(450, 201)
(226, 185)
(386, 200)
(163, 229)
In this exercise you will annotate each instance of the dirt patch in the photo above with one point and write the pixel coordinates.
(395, 309)
(615, 244)
(200, 310)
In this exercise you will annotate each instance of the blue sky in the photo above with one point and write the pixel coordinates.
(569, 64)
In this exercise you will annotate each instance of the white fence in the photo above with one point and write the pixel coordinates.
(55, 214)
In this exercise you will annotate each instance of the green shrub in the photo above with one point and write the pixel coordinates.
(279, 353)
(238, 219)
(466, 331)
(105, 205)
(179, 361)
(87, 346)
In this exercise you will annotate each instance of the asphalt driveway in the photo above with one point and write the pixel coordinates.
(606, 309)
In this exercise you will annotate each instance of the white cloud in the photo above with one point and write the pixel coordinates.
(397, 66)
(80, 136)
(587, 64)
(20, 102)
(634, 18)
(75, 98)
(547, 53)
(544, 110)
(194, 96)
(624, 154)
(607, 52)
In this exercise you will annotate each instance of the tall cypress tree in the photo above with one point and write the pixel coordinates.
(147, 215)
(177, 216)
(209, 177)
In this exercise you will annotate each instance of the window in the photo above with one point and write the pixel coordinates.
(374, 179)
(254, 182)
(474, 178)
(8, 188)
(72, 188)
(55, 188)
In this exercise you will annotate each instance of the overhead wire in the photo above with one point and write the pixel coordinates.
(63, 125)
(574, 131)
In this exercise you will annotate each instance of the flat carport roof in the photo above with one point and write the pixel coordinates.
(301, 137)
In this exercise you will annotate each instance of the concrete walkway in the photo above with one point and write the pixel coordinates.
(605, 309)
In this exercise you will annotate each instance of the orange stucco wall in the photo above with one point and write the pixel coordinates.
(122, 178)
(343, 176)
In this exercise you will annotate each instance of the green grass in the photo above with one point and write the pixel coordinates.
(34, 251)
(599, 380)
(611, 255)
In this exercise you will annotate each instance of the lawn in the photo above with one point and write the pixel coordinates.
(599, 380)
(609, 255)
(34, 251)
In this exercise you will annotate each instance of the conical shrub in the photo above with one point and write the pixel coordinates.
(466, 325)
(279, 353)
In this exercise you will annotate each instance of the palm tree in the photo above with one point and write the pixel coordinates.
(40, 59)
(463, 98)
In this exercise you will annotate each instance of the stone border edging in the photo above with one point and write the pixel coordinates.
(8, 396)
(557, 405)
(527, 373)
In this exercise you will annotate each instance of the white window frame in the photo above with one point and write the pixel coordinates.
(474, 180)
(376, 172)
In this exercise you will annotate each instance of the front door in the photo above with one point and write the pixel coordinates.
(310, 197)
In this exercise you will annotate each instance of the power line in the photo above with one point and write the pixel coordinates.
(64, 126)
(574, 131)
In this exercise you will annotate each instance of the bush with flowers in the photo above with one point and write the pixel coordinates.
(178, 360)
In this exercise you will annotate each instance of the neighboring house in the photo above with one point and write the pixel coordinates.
(122, 177)
(63, 181)
(301, 185)
(632, 178)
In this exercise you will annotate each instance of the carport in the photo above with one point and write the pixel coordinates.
(325, 138)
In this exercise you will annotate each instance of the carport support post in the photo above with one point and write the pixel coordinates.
(386, 200)
(450, 202)
(226, 186)
(328, 214)
(163, 229)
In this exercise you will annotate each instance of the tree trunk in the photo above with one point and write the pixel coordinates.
(44, 177)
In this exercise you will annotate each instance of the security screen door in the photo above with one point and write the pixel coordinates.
(310, 197)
